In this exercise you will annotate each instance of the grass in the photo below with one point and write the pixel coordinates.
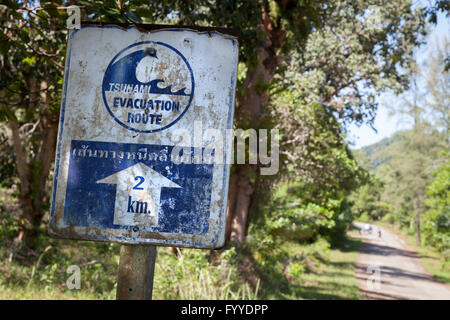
(44, 275)
(305, 271)
(187, 275)
(431, 260)
(327, 274)
(36, 293)
(194, 274)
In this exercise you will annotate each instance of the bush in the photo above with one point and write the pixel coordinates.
(436, 221)
(364, 217)
(389, 218)
(191, 275)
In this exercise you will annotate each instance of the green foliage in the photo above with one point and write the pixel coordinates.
(436, 223)
(438, 5)
(297, 213)
(9, 223)
(357, 53)
(309, 271)
(406, 162)
(403, 167)
(329, 54)
(437, 80)
(41, 273)
(376, 36)
(191, 274)
(367, 204)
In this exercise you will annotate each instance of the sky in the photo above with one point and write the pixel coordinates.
(386, 123)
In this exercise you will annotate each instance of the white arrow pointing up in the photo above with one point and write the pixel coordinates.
(138, 195)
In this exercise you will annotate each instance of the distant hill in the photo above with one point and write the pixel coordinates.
(404, 163)
(398, 150)
(382, 152)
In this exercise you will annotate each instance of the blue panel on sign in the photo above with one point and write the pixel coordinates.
(177, 196)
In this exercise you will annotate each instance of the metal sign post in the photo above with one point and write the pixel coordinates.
(143, 144)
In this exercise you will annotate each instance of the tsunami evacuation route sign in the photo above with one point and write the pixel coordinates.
(142, 93)
(113, 180)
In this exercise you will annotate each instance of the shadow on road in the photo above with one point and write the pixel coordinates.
(389, 269)
(377, 249)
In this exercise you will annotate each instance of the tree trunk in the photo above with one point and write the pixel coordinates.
(33, 171)
(251, 104)
(232, 194)
(243, 198)
(418, 238)
(48, 125)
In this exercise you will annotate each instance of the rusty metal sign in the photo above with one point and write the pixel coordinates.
(130, 166)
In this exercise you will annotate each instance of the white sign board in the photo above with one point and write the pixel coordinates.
(131, 98)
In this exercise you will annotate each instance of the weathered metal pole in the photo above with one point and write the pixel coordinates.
(136, 270)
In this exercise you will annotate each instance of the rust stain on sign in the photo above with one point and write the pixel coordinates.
(127, 91)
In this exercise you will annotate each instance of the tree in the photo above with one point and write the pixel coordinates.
(436, 226)
(404, 164)
(426, 104)
(367, 200)
(32, 52)
(265, 27)
(415, 109)
(331, 72)
(328, 53)
(32, 48)
(437, 79)
(325, 57)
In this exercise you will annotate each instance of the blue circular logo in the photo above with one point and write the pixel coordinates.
(148, 86)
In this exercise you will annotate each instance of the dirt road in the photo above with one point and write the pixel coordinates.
(389, 269)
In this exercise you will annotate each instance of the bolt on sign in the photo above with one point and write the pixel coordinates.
(127, 91)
